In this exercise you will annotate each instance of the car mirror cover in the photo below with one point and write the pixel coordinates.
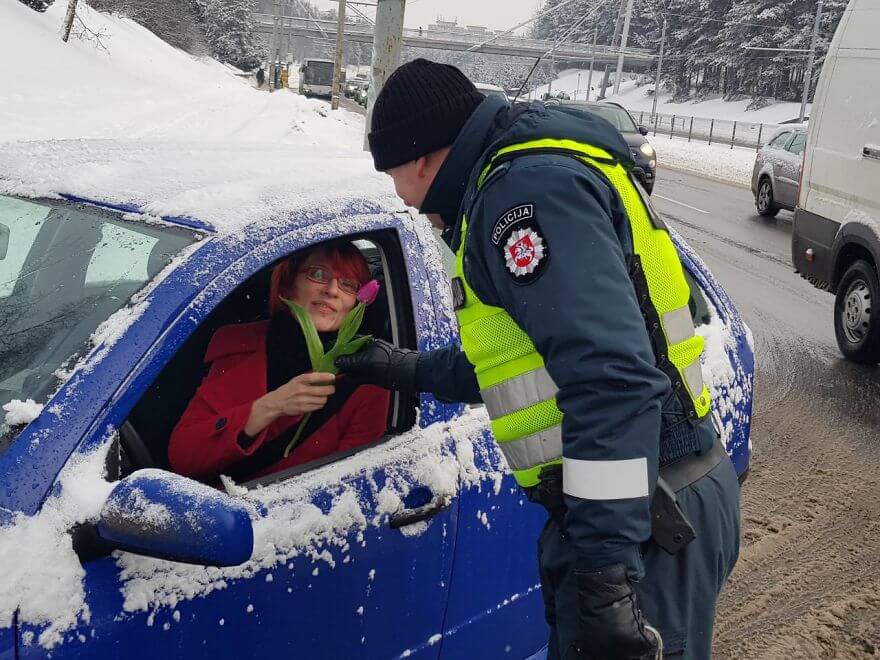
(167, 516)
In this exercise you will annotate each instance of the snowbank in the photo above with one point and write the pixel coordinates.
(635, 100)
(716, 161)
(138, 88)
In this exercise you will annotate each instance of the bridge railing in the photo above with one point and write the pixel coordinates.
(468, 38)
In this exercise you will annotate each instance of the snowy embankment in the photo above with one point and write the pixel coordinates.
(635, 99)
(715, 161)
(139, 88)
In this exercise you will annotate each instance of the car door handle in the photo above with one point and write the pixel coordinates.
(871, 151)
(410, 516)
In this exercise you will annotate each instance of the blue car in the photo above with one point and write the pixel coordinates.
(419, 545)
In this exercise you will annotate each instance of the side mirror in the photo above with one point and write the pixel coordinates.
(643, 130)
(4, 241)
(163, 515)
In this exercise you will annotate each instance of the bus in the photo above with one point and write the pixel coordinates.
(316, 77)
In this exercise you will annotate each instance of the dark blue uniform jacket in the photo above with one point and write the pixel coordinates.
(578, 306)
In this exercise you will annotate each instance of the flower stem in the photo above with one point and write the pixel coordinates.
(299, 430)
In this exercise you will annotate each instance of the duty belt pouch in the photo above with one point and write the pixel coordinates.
(670, 528)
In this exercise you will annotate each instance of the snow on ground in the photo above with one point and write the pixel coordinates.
(635, 99)
(716, 161)
(139, 88)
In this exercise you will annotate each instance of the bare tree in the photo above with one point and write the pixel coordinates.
(68, 20)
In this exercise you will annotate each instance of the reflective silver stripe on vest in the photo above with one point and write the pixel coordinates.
(518, 392)
(693, 374)
(536, 449)
(605, 480)
(678, 325)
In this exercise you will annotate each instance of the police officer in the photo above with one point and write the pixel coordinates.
(576, 333)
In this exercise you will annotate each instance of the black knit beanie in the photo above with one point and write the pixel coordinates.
(421, 108)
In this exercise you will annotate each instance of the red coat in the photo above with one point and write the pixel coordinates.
(205, 441)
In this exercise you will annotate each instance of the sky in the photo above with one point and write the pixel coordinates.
(494, 14)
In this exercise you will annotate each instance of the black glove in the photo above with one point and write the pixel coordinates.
(382, 364)
(611, 624)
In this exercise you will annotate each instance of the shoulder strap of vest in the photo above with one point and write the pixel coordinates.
(578, 153)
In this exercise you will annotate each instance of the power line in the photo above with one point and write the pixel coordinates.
(719, 20)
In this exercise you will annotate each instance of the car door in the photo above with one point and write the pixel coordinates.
(352, 557)
(495, 607)
(790, 169)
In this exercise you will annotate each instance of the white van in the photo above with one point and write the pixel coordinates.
(836, 235)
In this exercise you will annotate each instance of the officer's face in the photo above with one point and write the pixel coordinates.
(409, 184)
(412, 180)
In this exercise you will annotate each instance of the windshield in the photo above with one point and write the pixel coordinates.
(318, 73)
(64, 269)
(617, 116)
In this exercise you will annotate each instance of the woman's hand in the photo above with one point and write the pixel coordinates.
(300, 395)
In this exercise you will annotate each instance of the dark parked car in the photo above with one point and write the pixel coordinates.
(777, 171)
(642, 151)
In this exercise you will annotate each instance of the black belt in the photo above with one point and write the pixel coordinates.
(670, 528)
(685, 471)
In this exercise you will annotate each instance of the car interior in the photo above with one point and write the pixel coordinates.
(144, 437)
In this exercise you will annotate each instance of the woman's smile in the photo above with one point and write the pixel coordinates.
(324, 307)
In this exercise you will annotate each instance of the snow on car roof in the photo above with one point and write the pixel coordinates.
(229, 186)
(146, 124)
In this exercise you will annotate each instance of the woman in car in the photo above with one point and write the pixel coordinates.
(260, 385)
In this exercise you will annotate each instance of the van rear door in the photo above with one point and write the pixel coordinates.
(845, 140)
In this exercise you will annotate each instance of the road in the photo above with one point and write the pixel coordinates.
(808, 580)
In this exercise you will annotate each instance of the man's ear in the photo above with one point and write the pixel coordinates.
(421, 167)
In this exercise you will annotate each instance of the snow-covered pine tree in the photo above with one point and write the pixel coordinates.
(230, 30)
(38, 5)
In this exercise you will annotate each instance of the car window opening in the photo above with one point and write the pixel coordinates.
(190, 404)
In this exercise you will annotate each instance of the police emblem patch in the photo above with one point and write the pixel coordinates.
(521, 243)
(524, 252)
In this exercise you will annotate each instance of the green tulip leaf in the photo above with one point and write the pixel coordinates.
(313, 341)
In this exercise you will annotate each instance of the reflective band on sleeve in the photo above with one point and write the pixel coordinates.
(605, 480)
(678, 325)
(693, 374)
(519, 392)
(536, 449)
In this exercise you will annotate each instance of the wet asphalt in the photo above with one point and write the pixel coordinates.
(807, 584)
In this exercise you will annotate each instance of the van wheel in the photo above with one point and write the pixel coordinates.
(856, 322)
(764, 199)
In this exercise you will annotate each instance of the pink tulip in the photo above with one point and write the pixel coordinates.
(368, 292)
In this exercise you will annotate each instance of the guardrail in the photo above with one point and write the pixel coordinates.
(719, 131)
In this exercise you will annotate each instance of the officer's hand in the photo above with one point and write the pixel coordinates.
(382, 364)
(611, 623)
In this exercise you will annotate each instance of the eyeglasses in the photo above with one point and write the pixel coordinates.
(323, 275)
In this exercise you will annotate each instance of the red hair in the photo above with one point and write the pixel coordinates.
(343, 257)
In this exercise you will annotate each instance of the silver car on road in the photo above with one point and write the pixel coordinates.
(777, 171)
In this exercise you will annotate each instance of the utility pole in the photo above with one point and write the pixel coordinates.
(659, 67)
(808, 77)
(274, 44)
(617, 25)
(337, 63)
(623, 41)
(387, 39)
(552, 72)
(592, 61)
